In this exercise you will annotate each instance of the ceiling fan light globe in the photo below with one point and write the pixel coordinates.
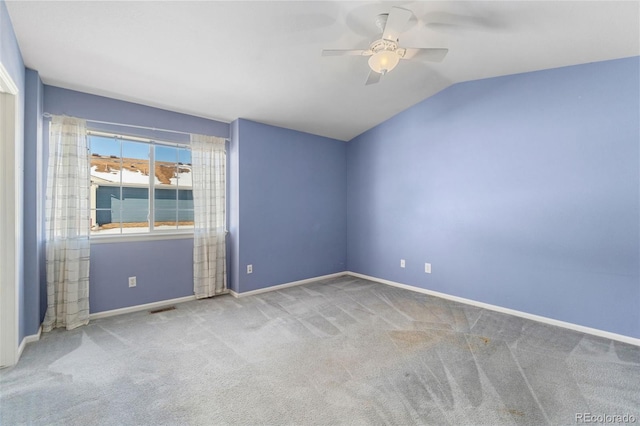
(383, 61)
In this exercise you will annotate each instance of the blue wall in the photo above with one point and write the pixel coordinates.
(11, 59)
(34, 256)
(290, 194)
(522, 191)
(164, 269)
(91, 107)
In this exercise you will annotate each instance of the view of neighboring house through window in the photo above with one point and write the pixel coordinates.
(139, 187)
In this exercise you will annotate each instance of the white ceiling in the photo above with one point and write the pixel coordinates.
(261, 60)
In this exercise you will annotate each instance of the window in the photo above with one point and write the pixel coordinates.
(139, 186)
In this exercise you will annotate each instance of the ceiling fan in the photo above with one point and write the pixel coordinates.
(385, 53)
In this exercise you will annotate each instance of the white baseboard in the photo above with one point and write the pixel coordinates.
(285, 285)
(137, 308)
(28, 339)
(538, 318)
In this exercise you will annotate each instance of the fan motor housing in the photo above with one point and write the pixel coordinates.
(383, 44)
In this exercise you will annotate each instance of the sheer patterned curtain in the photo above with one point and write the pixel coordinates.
(67, 225)
(208, 158)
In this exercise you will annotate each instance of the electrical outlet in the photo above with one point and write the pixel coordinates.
(132, 281)
(402, 263)
(427, 268)
(249, 269)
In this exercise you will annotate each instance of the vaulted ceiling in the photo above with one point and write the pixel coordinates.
(262, 60)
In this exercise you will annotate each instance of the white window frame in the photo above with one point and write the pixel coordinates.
(151, 234)
(11, 247)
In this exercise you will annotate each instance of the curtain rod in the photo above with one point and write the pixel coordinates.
(49, 115)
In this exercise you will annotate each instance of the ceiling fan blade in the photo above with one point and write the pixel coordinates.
(373, 78)
(343, 52)
(396, 23)
(426, 54)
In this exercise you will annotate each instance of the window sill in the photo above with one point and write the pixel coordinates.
(126, 238)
